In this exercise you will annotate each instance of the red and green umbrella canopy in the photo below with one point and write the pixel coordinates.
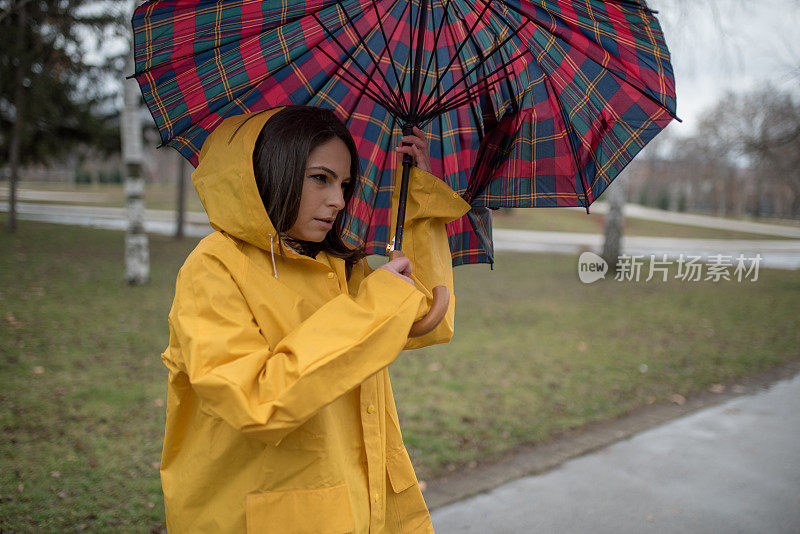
(525, 103)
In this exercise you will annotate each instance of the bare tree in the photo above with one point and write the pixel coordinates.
(758, 130)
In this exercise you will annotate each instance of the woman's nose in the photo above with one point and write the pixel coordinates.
(337, 198)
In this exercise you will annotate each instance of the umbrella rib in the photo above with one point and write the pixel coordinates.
(470, 71)
(382, 100)
(363, 86)
(395, 96)
(455, 55)
(435, 42)
(458, 96)
(471, 38)
(573, 151)
(461, 100)
(512, 91)
(417, 62)
(402, 101)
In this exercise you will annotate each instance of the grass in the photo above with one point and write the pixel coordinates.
(535, 352)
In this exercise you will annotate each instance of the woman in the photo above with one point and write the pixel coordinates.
(280, 415)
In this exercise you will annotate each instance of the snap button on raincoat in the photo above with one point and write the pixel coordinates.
(280, 414)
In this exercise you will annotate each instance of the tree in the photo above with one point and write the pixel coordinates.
(615, 220)
(51, 98)
(760, 131)
(137, 255)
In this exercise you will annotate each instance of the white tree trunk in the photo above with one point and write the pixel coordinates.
(137, 256)
(614, 220)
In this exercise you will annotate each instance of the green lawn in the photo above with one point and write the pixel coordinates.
(535, 352)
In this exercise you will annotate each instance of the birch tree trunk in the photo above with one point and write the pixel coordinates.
(612, 247)
(19, 117)
(137, 255)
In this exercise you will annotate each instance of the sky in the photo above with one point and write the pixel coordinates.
(728, 45)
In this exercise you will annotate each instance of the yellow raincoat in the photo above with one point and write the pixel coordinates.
(280, 414)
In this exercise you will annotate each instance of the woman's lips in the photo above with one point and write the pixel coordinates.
(325, 223)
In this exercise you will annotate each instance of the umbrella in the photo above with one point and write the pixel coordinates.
(527, 103)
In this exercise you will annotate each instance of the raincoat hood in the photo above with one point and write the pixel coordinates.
(225, 180)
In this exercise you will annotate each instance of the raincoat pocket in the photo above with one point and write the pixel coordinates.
(400, 469)
(308, 511)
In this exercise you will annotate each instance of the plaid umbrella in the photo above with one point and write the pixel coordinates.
(526, 103)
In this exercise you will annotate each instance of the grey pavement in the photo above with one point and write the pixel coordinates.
(778, 254)
(732, 468)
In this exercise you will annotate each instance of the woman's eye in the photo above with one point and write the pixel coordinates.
(320, 178)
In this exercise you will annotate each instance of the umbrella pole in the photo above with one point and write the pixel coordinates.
(408, 161)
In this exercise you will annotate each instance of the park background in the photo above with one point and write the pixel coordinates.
(536, 353)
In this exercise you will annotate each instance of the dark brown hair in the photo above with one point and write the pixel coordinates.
(279, 163)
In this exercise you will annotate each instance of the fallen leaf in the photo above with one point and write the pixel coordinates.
(423, 485)
(582, 346)
(151, 505)
(62, 494)
(738, 388)
(155, 465)
(677, 399)
(717, 388)
(435, 366)
(650, 400)
(473, 464)
(55, 474)
(37, 370)
(159, 402)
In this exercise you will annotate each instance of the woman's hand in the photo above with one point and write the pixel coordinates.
(419, 149)
(401, 267)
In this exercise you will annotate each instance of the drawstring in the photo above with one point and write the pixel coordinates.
(271, 253)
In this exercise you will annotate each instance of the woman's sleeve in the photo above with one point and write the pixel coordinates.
(430, 204)
(266, 392)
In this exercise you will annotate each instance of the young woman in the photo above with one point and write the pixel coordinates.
(280, 414)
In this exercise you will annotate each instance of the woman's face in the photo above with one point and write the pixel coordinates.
(326, 177)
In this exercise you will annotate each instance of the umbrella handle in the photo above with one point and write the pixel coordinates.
(441, 299)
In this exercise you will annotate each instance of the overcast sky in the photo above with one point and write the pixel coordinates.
(728, 45)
